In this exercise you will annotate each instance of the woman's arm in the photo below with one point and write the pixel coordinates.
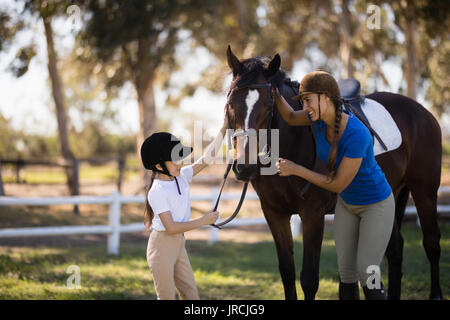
(210, 151)
(173, 227)
(292, 117)
(345, 173)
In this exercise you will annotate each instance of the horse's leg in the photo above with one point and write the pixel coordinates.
(281, 231)
(394, 251)
(312, 226)
(425, 199)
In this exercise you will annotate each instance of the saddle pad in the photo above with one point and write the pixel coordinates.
(382, 122)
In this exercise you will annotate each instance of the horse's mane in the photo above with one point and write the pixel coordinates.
(253, 67)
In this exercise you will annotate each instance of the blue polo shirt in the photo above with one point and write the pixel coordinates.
(370, 184)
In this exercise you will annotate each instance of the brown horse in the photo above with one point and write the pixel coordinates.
(413, 167)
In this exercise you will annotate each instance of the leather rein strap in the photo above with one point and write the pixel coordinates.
(229, 166)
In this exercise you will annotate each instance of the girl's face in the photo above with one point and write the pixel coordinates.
(174, 167)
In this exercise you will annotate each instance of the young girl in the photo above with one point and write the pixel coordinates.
(168, 213)
(365, 208)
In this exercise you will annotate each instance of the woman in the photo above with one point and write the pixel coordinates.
(365, 208)
(168, 213)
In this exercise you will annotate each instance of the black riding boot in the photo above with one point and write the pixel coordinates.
(348, 291)
(374, 294)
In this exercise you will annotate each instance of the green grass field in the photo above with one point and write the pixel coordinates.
(105, 173)
(225, 270)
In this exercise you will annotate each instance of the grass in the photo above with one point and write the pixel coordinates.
(225, 270)
(446, 148)
(105, 173)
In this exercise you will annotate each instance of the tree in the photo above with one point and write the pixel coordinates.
(43, 10)
(252, 28)
(132, 40)
(438, 91)
(425, 27)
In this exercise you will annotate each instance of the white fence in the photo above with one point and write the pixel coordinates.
(114, 228)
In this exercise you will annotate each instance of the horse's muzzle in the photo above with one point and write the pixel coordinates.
(245, 172)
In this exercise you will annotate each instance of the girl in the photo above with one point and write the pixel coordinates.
(168, 213)
(364, 213)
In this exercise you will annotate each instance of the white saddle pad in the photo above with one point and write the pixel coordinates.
(383, 124)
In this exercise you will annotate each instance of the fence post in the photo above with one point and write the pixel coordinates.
(76, 182)
(214, 232)
(20, 164)
(114, 222)
(2, 190)
(296, 225)
(121, 167)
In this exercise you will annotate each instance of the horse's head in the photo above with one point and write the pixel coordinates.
(250, 107)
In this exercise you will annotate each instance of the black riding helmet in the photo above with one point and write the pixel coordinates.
(161, 147)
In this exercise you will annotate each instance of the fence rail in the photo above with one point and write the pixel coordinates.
(114, 228)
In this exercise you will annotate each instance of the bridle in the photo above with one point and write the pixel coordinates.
(229, 166)
(268, 152)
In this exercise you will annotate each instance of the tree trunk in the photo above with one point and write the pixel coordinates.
(2, 191)
(58, 97)
(147, 110)
(412, 67)
(240, 14)
(345, 43)
(412, 70)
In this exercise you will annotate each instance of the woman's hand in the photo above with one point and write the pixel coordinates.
(286, 167)
(292, 117)
(276, 93)
(210, 217)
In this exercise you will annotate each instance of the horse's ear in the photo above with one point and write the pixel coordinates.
(273, 67)
(233, 62)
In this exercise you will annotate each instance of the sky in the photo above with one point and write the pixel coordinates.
(28, 103)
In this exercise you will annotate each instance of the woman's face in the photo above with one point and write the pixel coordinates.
(311, 105)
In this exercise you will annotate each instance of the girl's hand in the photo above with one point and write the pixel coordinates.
(210, 217)
(223, 129)
(285, 167)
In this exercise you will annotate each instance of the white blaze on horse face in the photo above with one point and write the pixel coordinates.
(250, 100)
(250, 137)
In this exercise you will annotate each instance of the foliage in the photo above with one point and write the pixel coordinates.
(101, 143)
(17, 144)
(438, 91)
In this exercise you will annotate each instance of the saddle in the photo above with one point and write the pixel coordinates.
(353, 100)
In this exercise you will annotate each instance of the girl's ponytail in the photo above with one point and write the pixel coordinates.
(148, 214)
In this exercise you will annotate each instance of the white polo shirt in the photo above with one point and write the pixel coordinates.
(163, 196)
